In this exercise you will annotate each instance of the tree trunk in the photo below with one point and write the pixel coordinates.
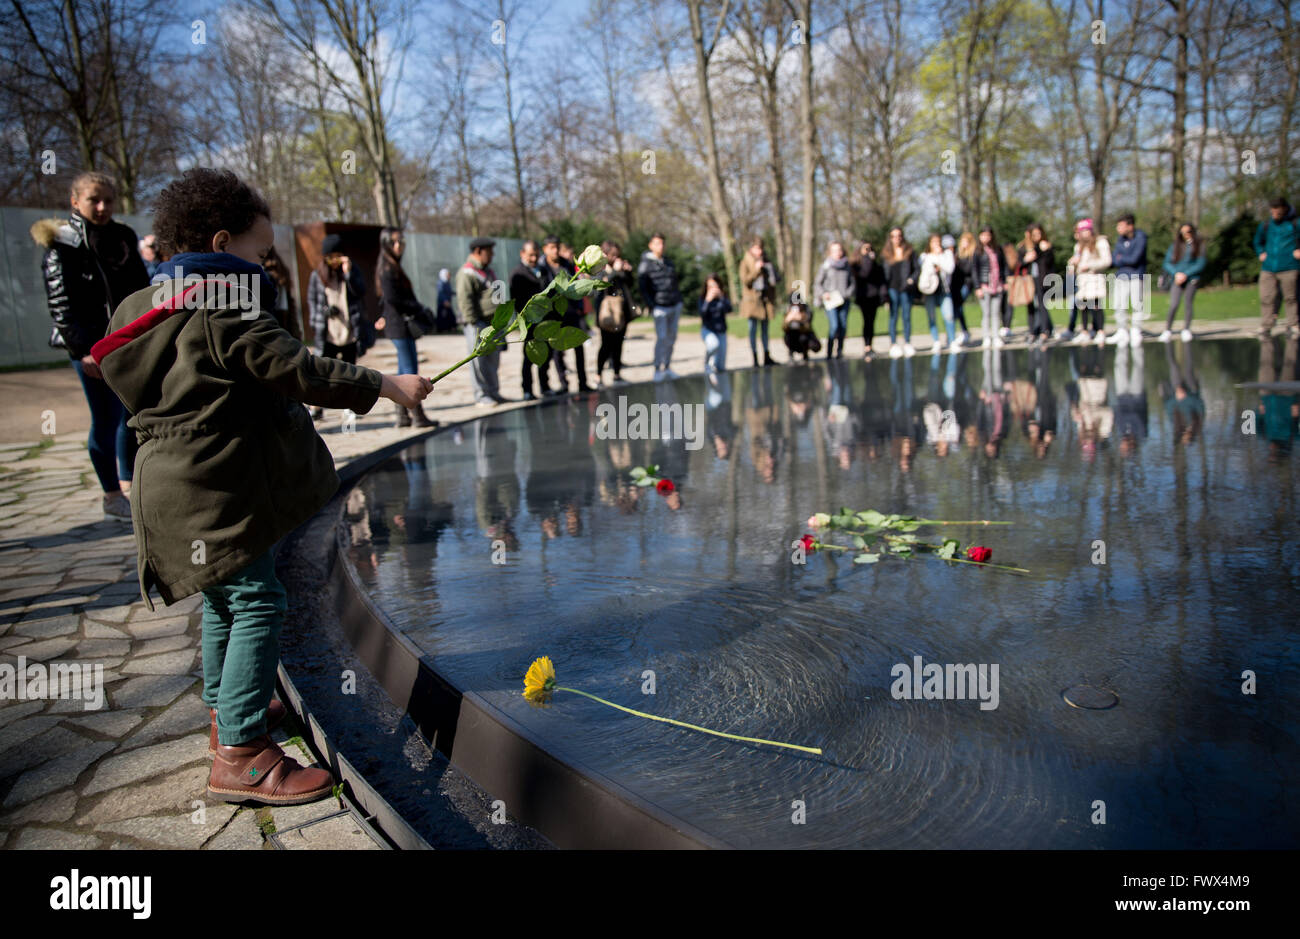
(1178, 143)
(717, 190)
(808, 148)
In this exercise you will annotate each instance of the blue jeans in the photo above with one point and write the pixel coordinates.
(839, 325)
(109, 434)
(665, 318)
(715, 350)
(754, 327)
(408, 360)
(900, 304)
(943, 303)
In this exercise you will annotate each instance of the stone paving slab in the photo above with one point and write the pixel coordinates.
(134, 775)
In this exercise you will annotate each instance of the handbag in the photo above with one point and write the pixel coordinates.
(612, 315)
(928, 282)
(1020, 290)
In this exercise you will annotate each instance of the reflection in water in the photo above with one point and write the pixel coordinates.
(1200, 580)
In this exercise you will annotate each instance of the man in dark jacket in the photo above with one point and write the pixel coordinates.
(91, 265)
(1277, 242)
(657, 280)
(528, 279)
(553, 252)
(1129, 258)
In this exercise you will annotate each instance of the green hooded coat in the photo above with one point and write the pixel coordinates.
(229, 461)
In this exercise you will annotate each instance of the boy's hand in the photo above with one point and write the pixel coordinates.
(405, 390)
(90, 368)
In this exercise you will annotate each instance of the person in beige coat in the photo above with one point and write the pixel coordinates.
(758, 295)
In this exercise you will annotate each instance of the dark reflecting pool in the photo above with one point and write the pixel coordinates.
(1137, 454)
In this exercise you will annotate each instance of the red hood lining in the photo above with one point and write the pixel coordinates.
(141, 324)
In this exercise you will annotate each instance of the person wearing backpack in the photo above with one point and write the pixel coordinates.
(1277, 242)
(935, 283)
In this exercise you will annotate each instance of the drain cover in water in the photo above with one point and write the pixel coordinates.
(1089, 698)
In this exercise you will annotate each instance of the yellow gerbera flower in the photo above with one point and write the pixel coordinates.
(539, 682)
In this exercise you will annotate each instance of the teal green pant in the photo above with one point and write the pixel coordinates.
(241, 631)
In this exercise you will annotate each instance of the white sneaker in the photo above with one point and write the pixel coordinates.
(997, 341)
(1115, 338)
(908, 350)
(1165, 336)
(938, 344)
(1005, 332)
(1186, 335)
(1100, 338)
(895, 351)
(1082, 339)
(965, 338)
(988, 342)
(1135, 337)
(1065, 335)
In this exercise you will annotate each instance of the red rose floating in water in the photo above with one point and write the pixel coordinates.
(665, 486)
(979, 554)
(809, 543)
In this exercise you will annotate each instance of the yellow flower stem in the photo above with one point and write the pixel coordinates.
(704, 730)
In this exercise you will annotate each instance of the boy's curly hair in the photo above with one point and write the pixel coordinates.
(201, 203)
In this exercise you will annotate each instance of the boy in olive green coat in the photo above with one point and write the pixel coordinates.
(229, 461)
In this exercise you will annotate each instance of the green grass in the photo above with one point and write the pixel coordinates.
(1212, 303)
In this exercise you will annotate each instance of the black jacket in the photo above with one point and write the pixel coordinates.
(869, 279)
(657, 281)
(397, 301)
(524, 284)
(1046, 265)
(980, 272)
(83, 286)
(898, 273)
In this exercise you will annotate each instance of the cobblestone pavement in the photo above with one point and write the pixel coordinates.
(133, 773)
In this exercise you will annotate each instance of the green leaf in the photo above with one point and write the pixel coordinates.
(504, 311)
(577, 289)
(559, 282)
(561, 304)
(538, 352)
(871, 518)
(866, 559)
(949, 548)
(570, 337)
(547, 330)
(537, 308)
(903, 552)
(859, 541)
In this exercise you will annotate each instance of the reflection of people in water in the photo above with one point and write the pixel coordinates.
(763, 424)
(1093, 418)
(942, 431)
(1279, 411)
(993, 419)
(875, 413)
(799, 387)
(668, 452)
(561, 469)
(361, 548)
(1182, 396)
(1040, 421)
(1130, 398)
(841, 425)
(905, 424)
(496, 488)
(718, 421)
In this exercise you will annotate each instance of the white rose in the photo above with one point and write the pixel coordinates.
(591, 259)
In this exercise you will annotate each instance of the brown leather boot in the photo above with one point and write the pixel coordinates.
(259, 771)
(274, 715)
(420, 419)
